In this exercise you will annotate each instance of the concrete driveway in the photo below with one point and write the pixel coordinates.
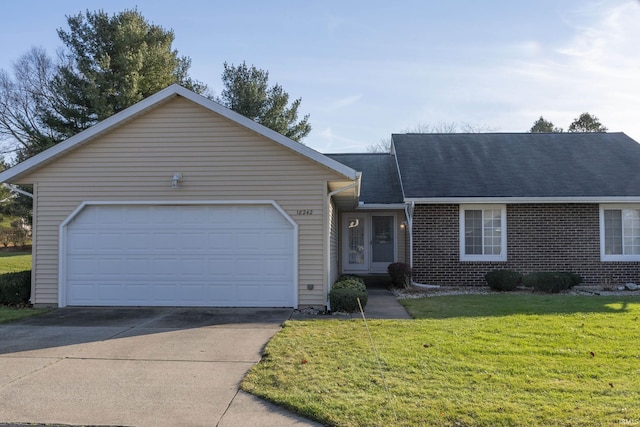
(137, 367)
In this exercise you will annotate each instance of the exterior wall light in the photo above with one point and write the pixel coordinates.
(176, 180)
(403, 225)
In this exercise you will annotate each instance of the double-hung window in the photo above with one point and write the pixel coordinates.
(483, 233)
(620, 232)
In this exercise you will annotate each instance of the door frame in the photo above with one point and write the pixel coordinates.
(368, 266)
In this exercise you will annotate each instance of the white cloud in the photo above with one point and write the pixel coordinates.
(595, 70)
(345, 102)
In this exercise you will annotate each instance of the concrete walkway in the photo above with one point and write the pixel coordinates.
(382, 304)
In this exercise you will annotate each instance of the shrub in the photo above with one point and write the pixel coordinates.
(400, 274)
(5, 237)
(15, 288)
(19, 236)
(551, 281)
(356, 284)
(350, 277)
(345, 293)
(503, 280)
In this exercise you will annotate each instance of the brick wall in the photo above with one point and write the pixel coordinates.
(540, 237)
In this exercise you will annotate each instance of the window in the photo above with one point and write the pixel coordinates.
(483, 233)
(620, 233)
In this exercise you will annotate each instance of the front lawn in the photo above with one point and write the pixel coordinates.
(14, 261)
(9, 314)
(471, 360)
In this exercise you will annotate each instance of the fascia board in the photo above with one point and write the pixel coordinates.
(520, 200)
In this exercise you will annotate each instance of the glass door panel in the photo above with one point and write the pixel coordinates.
(383, 247)
(356, 244)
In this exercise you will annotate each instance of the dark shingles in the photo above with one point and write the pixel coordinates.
(518, 165)
(380, 182)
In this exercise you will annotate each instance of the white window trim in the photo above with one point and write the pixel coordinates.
(503, 244)
(617, 257)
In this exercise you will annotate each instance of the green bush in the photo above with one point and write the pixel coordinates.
(551, 281)
(400, 274)
(345, 293)
(15, 288)
(503, 280)
(356, 284)
(350, 277)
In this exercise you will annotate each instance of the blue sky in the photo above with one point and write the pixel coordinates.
(366, 69)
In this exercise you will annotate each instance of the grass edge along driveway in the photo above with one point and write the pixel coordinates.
(11, 314)
(468, 360)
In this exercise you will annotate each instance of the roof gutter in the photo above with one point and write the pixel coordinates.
(17, 190)
(516, 200)
(380, 206)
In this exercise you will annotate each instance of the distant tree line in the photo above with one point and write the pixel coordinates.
(584, 123)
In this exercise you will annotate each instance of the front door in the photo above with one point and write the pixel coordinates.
(356, 246)
(369, 242)
(383, 248)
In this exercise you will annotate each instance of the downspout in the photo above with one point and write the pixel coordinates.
(408, 211)
(17, 190)
(328, 225)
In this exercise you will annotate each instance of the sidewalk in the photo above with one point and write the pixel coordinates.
(381, 304)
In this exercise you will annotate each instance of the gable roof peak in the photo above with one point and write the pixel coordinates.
(154, 100)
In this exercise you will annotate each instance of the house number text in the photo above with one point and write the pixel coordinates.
(305, 212)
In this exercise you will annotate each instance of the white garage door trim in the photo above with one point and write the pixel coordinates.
(62, 263)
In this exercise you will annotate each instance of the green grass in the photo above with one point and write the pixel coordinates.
(14, 261)
(473, 360)
(10, 314)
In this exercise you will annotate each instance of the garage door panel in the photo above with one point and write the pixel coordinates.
(82, 267)
(83, 241)
(180, 255)
(193, 241)
(220, 240)
(136, 267)
(133, 216)
(276, 268)
(222, 267)
(277, 242)
(248, 215)
(195, 267)
(111, 293)
(82, 292)
(136, 293)
(247, 241)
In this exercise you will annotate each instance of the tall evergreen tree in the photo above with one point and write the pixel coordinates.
(112, 62)
(108, 64)
(246, 91)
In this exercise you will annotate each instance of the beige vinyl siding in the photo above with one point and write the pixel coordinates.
(219, 160)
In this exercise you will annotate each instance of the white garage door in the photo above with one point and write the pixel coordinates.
(213, 255)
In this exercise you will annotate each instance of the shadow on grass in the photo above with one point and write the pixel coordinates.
(504, 304)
